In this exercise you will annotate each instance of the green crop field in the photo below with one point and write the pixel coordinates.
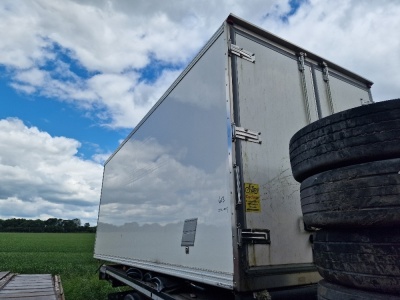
(68, 254)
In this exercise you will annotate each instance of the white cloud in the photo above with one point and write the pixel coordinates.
(119, 38)
(28, 89)
(41, 175)
(101, 158)
(112, 41)
(110, 38)
(33, 77)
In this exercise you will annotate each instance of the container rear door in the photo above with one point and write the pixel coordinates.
(271, 100)
(337, 92)
(276, 95)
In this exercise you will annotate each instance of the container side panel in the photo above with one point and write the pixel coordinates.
(174, 168)
(271, 101)
(345, 95)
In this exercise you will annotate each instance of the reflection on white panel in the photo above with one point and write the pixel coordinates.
(174, 167)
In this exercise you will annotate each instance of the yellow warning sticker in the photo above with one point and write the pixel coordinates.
(252, 197)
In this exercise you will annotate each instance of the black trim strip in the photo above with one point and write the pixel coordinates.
(278, 270)
(240, 211)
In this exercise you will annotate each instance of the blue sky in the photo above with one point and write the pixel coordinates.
(59, 119)
(77, 76)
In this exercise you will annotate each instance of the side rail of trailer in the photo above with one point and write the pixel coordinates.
(139, 283)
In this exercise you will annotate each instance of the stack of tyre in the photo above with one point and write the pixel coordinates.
(348, 165)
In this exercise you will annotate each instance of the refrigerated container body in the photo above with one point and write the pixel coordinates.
(202, 187)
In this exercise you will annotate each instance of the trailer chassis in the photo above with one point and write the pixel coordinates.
(152, 285)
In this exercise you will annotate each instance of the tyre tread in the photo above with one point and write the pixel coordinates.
(349, 137)
(364, 258)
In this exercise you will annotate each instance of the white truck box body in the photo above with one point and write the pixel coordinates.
(185, 161)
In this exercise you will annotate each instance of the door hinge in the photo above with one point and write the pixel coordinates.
(254, 236)
(245, 134)
(236, 50)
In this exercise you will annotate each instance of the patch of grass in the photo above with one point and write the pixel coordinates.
(68, 254)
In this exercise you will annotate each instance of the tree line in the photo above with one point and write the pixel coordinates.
(50, 225)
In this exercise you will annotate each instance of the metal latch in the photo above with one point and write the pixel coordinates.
(365, 101)
(237, 177)
(301, 61)
(254, 236)
(325, 76)
(245, 134)
(325, 71)
(247, 55)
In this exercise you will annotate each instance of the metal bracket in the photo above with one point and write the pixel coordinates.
(325, 71)
(301, 65)
(236, 50)
(365, 101)
(301, 61)
(254, 236)
(245, 134)
(325, 76)
(189, 233)
(237, 177)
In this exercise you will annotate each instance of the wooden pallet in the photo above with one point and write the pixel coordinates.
(32, 287)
